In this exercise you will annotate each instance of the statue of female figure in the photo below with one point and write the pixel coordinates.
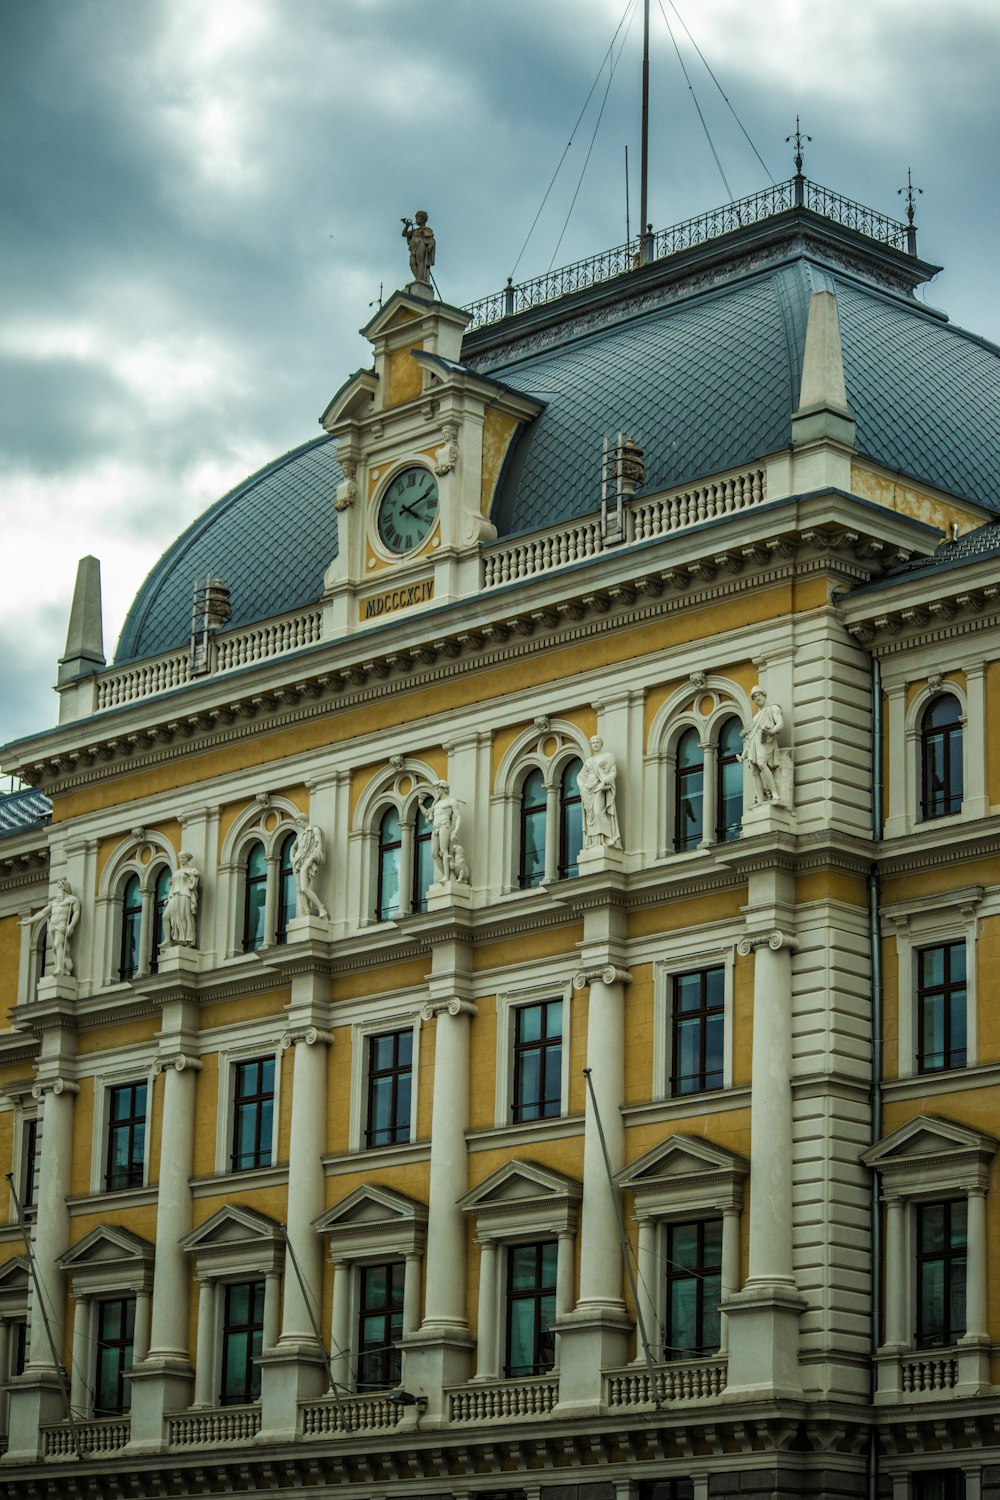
(597, 780)
(182, 904)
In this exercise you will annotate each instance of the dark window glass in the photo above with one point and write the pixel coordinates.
(254, 899)
(390, 845)
(533, 815)
(242, 1339)
(941, 1009)
(380, 1326)
(698, 1031)
(941, 757)
(538, 1060)
(689, 791)
(570, 821)
(423, 864)
(161, 894)
(126, 1136)
(949, 1485)
(531, 1308)
(18, 1346)
(729, 782)
(941, 1256)
(286, 889)
(694, 1286)
(131, 928)
(253, 1114)
(30, 1140)
(390, 1079)
(114, 1335)
(43, 948)
(666, 1489)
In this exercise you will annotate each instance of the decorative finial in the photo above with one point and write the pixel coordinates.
(911, 228)
(798, 138)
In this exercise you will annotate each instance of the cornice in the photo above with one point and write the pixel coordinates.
(556, 609)
(929, 846)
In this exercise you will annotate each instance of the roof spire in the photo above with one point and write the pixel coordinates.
(85, 636)
(823, 411)
(911, 228)
(798, 138)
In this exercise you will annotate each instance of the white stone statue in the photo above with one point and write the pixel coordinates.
(63, 916)
(422, 246)
(182, 904)
(308, 857)
(446, 457)
(441, 808)
(597, 780)
(760, 747)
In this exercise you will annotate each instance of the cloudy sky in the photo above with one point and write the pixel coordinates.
(201, 202)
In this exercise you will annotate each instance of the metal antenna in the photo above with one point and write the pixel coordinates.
(798, 138)
(645, 239)
(911, 228)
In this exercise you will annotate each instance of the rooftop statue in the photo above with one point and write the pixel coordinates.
(422, 245)
(62, 915)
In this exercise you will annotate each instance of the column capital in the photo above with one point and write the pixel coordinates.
(308, 1034)
(601, 974)
(54, 1086)
(454, 1007)
(774, 940)
(180, 1061)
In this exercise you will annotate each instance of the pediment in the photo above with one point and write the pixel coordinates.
(14, 1275)
(680, 1158)
(403, 309)
(925, 1138)
(107, 1244)
(521, 1183)
(370, 1205)
(352, 402)
(230, 1227)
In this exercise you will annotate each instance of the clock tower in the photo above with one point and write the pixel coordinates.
(421, 442)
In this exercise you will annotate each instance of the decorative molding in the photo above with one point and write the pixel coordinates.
(773, 940)
(54, 1086)
(177, 1060)
(603, 974)
(310, 1035)
(454, 1007)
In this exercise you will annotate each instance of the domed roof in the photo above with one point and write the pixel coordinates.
(270, 539)
(702, 370)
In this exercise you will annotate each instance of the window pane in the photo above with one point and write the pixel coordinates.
(523, 1268)
(570, 821)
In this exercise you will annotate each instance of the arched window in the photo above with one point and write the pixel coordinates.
(254, 898)
(422, 872)
(531, 869)
(131, 928)
(570, 820)
(161, 892)
(286, 889)
(941, 757)
(728, 782)
(390, 845)
(689, 791)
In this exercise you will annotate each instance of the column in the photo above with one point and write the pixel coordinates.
(648, 1279)
(974, 1346)
(975, 802)
(140, 1333)
(272, 1308)
(730, 1266)
(81, 1357)
(411, 1293)
(710, 783)
(271, 898)
(763, 1318)
(899, 759)
(565, 1272)
(486, 1346)
(52, 1223)
(896, 1331)
(204, 1372)
(340, 1327)
(4, 1367)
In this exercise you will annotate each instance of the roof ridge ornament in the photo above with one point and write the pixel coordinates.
(798, 138)
(911, 228)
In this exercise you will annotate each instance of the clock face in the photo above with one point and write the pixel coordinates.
(408, 509)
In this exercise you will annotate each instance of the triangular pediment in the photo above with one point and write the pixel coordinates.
(404, 308)
(521, 1182)
(352, 402)
(14, 1275)
(681, 1157)
(926, 1137)
(232, 1225)
(106, 1243)
(369, 1205)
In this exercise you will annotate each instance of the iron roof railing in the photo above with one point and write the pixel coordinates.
(797, 192)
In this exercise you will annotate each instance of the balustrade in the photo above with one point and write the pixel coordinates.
(502, 1399)
(106, 1435)
(687, 1380)
(349, 1414)
(224, 1424)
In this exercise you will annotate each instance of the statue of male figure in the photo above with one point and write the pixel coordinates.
(445, 819)
(760, 747)
(63, 916)
(422, 246)
(308, 856)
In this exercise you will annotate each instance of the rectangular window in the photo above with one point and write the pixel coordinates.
(115, 1333)
(531, 1308)
(941, 1261)
(538, 1061)
(18, 1346)
(380, 1326)
(390, 1082)
(31, 1138)
(253, 1114)
(698, 1031)
(242, 1341)
(947, 1486)
(694, 1286)
(126, 1137)
(941, 1008)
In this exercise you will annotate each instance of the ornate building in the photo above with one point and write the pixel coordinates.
(500, 1007)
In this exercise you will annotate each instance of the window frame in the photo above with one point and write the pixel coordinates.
(949, 1258)
(508, 1003)
(947, 992)
(385, 1018)
(953, 730)
(393, 1073)
(125, 1345)
(254, 1101)
(524, 1050)
(118, 1072)
(540, 812)
(390, 1355)
(704, 1015)
(539, 1293)
(697, 1275)
(110, 1125)
(686, 959)
(229, 1056)
(286, 906)
(251, 884)
(679, 773)
(566, 868)
(722, 833)
(250, 1389)
(130, 925)
(929, 922)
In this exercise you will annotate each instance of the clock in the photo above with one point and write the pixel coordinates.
(407, 510)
